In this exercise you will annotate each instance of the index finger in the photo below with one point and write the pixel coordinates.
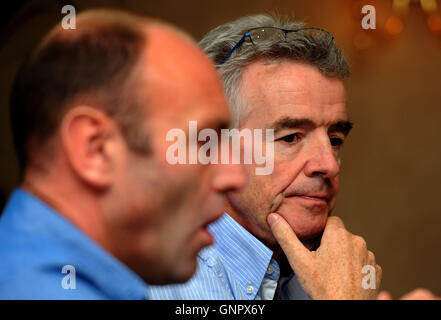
(334, 221)
(294, 250)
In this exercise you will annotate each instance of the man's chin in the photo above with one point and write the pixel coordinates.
(307, 227)
(180, 273)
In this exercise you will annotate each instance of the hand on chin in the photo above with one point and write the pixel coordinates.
(307, 226)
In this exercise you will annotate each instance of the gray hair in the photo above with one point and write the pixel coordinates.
(329, 59)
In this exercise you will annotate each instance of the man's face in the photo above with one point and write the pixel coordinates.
(171, 205)
(307, 111)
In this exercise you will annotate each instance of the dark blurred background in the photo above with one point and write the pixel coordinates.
(391, 172)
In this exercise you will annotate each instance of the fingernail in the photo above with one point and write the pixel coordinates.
(272, 219)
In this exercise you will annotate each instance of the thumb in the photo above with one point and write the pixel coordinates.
(294, 250)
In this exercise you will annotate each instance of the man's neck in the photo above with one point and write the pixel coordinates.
(264, 236)
(72, 204)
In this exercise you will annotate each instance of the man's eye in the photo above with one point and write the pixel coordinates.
(291, 138)
(335, 142)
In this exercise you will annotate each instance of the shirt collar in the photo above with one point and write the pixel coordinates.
(244, 255)
(27, 215)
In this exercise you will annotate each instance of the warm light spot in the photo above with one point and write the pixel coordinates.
(428, 5)
(434, 22)
(401, 6)
(394, 25)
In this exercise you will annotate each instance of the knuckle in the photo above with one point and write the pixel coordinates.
(343, 236)
(360, 242)
(336, 220)
(342, 233)
(379, 270)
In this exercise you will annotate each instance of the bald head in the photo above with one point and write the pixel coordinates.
(97, 63)
(186, 77)
(104, 98)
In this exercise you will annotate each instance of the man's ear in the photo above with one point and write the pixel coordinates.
(88, 138)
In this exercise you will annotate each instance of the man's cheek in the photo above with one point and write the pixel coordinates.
(285, 173)
(277, 202)
(336, 188)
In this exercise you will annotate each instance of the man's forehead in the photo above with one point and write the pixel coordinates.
(289, 78)
(292, 88)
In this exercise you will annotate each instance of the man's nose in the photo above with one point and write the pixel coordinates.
(322, 159)
(229, 177)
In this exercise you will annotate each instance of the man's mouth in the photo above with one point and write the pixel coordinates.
(207, 237)
(314, 199)
(312, 195)
(319, 198)
(217, 210)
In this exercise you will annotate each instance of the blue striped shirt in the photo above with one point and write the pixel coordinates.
(233, 268)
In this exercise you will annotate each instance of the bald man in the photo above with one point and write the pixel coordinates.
(100, 212)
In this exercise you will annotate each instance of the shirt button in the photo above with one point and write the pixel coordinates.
(210, 262)
(250, 289)
(270, 269)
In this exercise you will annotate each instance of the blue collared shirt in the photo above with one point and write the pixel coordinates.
(233, 268)
(36, 243)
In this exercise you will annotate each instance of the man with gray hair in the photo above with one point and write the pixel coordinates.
(283, 76)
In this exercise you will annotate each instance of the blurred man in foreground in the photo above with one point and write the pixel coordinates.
(100, 211)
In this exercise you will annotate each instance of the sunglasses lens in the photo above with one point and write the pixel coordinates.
(263, 34)
(311, 35)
